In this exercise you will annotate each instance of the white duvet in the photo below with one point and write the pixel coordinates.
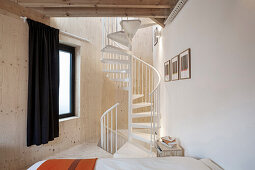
(164, 163)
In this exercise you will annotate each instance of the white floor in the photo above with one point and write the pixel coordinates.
(130, 150)
(91, 150)
(83, 151)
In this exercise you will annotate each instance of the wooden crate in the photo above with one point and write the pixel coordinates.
(167, 151)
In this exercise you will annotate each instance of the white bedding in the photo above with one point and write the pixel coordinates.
(164, 163)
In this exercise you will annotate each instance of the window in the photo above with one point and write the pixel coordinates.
(66, 80)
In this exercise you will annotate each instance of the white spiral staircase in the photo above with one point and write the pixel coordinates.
(139, 78)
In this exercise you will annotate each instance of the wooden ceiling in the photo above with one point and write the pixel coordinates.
(158, 10)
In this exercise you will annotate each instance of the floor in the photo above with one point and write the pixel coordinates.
(132, 150)
(83, 151)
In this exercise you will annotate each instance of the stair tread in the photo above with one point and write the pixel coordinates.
(136, 96)
(142, 125)
(115, 50)
(124, 80)
(116, 61)
(130, 26)
(117, 71)
(145, 137)
(145, 125)
(120, 37)
(139, 105)
(142, 114)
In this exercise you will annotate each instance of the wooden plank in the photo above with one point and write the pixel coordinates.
(159, 21)
(19, 10)
(100, 3)
(104, 12)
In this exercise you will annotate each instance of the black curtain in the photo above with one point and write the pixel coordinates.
(43, 84)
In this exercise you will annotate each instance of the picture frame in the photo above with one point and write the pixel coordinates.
(175, 68)
(185, 64)
(167, 74)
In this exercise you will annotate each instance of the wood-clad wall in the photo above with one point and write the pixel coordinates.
(95, 92)
(13, 94)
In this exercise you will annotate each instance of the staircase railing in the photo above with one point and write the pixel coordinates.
(146, 81)
(109, 129)
(142, 78)
(110, 25)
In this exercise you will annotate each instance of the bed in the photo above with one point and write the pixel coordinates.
(163, 163)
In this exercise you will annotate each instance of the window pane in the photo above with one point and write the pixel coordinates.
(65, 82)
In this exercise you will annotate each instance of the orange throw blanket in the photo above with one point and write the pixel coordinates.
(68, 164)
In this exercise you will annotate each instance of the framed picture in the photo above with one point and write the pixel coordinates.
(167, 71)
(185, 71)
(175, 68)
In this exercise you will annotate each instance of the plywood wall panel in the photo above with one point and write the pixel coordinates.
(97, 93)
(13, 101)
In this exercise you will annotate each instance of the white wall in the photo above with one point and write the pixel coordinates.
(213, 113)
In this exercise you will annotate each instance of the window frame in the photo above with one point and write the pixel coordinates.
(71, 50)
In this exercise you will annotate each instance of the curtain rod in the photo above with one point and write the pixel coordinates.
(65, 33)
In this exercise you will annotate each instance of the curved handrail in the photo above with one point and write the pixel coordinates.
(105, 133)
(107, 111)
(158, 74)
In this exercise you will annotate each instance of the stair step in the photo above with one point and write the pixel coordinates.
(139, 105)
(120, 37)
(115, 50)
(116, 71)
(121, 80)
(145, 137)
(142, 114)
(136, 96)
(130, 27)
(142, 125)
(114, 61)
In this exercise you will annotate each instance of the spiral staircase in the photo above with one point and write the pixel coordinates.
(140, 79)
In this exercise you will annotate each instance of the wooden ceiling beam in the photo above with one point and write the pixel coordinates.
(19, 10)
(159, 21)
(104, 12)
(100, 3)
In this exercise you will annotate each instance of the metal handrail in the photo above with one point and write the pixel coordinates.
(105, 128)
(158, 74)
(109, 110)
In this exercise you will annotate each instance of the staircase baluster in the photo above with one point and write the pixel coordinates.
(139, 77)
(149, 85)
(113, 44)
(142, 82)
(107, 133)
(108, 25)
(135, 77)
(158, 116)
(104, 135)
(153, 83)
(153, 116)
(111, 131)
(116, 138)
(151, 125)
(146, 84)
